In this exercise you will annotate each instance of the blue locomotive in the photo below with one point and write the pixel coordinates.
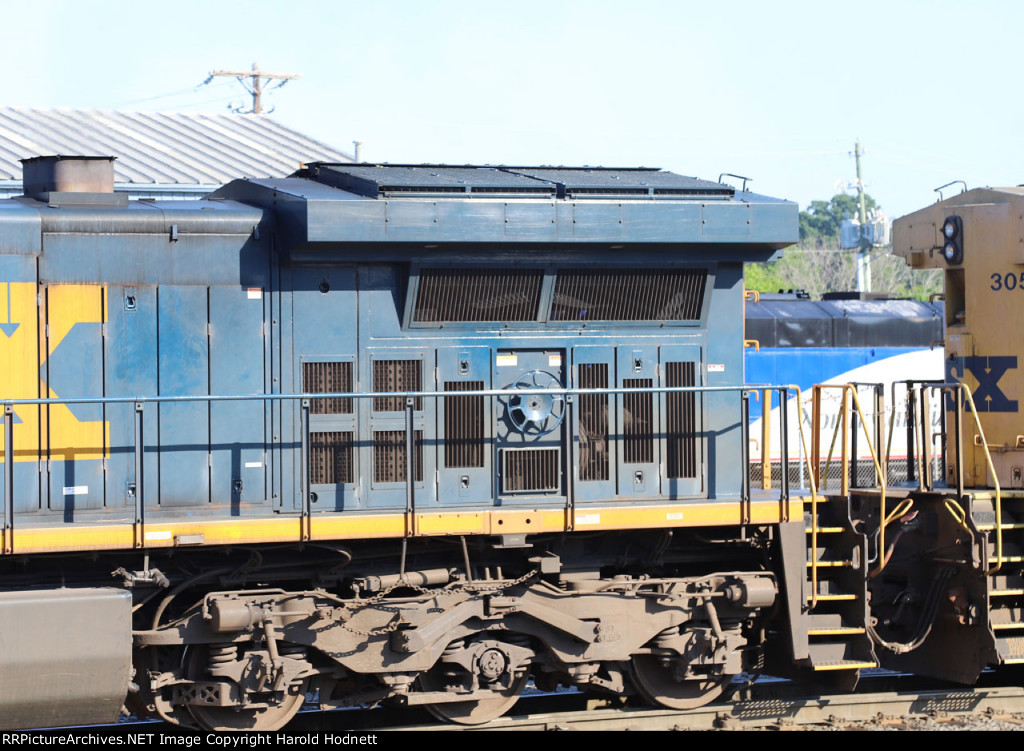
(416, 434)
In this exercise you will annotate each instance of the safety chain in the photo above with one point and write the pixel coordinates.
(456, 589)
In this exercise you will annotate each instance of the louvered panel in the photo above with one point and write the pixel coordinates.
(396, 375)
(530, 470)
(464, 426)
(452, 295)
(330, 458)
(389, 455)
(593, 422)
(681, 421)
(638, 422)
(628, 295)
(327, 378)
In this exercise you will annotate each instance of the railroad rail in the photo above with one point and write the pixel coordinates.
(769, 713)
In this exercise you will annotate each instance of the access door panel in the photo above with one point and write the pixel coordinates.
(384, 431)
(683, 441)
(595, 426)
(640, 449)
(464, 450)
(530, 426)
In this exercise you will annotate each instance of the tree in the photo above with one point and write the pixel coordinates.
(817, 265)
(819, 225)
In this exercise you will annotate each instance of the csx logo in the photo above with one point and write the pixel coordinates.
(71, 347)
(986, 371)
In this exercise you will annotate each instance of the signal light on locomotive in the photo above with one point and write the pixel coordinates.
(953, 240)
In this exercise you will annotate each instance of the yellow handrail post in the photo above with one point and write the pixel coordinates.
(766, 437)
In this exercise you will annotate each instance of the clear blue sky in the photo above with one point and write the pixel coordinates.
(778, 91)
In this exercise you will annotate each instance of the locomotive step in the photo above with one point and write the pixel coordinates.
(832, 564)
(838, 631)
(832, 597)
(1006, 617)
(845, 665)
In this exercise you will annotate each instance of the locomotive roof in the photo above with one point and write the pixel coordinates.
(425, 204)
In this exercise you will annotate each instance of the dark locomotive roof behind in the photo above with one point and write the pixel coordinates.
(372, 181)
(793, 320)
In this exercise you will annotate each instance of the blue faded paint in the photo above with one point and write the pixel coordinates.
(234, 295)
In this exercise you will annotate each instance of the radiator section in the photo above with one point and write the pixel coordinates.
(530, 470)
(326, 378)
(450, 295)
(681, 421)
(593, 422)
(629, 295)
(389, 455)
(463, 426)
(396, 375)
(330, 458)
(638, 422)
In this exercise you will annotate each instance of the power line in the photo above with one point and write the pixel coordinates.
(255, 87)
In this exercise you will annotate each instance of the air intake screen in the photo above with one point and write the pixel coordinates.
(396, 375)
(389, 455)
(638, 422)
(330, 458)
(593, 422)
(530, 470)
(681, 421)
(478, 295)
(464, 426)
(326, 378)
(628, 295)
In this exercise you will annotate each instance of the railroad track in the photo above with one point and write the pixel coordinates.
(776, 706)
(885, 708)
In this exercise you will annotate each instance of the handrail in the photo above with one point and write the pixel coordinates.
(995, 478)
(304, 400)
(850, 394)
(963, 392)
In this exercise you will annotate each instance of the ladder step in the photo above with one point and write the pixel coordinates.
(832, 598)
(845, 665)
(1006, 626)
(1006, 593)
(1006, 559)
(827, 530)
(831, 564)
(835, 631)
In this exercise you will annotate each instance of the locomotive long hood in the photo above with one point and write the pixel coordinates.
(328, 204)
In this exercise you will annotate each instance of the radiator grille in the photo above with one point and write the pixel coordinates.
(530, 470)
(478, 295)
(463, 425)
(396, 375)
(681, 421)
(628, 295)
(330, 458)
(326, 378)
(389, 455)
(593, 422)
(638, 423)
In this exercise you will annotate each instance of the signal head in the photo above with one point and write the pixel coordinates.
(953, 240)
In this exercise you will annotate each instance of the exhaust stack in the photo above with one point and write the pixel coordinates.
(44, 176)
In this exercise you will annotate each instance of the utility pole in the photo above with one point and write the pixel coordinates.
(256, 86)
(863, 260)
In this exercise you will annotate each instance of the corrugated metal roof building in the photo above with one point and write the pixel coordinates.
(159, 154)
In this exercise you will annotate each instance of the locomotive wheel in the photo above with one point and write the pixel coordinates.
(273, 717)
(660, 685)
(475, 712)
